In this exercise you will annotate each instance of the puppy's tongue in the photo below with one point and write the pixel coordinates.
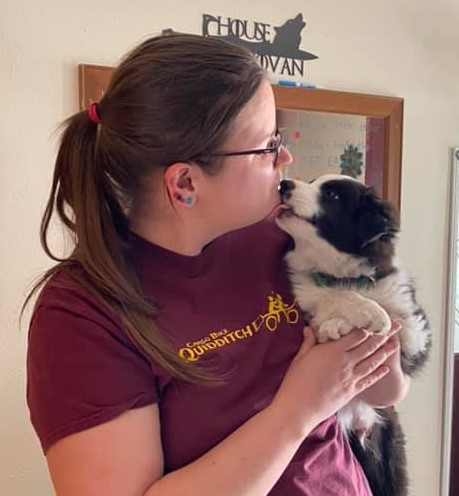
(277, 210)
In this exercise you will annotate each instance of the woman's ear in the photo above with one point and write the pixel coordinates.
(180, 183)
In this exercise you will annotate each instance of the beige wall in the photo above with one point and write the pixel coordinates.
(404, 48)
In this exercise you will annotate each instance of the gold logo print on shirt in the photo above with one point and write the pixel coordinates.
(277, 311)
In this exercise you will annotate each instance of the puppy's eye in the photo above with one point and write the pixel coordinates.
(331, 195)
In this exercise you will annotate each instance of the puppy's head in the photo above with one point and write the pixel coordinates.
(341, 211)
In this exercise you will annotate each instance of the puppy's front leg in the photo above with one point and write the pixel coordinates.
(341, 311)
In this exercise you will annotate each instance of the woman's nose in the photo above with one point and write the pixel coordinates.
(285, 157)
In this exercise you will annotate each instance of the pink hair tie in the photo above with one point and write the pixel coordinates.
(93, 114)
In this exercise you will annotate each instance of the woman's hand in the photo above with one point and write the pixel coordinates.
(395, 384)
(322, 378)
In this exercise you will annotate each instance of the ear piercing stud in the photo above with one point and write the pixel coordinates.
(188, 200)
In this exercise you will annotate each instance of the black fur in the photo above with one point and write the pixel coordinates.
(383, 458)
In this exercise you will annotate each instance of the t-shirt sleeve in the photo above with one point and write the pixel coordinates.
(82, 368)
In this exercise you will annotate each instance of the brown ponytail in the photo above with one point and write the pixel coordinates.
(171, 99)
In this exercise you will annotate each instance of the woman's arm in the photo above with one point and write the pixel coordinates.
(124, 457)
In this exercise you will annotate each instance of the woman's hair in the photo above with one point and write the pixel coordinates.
(172, 99)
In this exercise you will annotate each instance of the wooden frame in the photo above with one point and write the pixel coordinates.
(92, 83)
(389, 109)
(93, 80)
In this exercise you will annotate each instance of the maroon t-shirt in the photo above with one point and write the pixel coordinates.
(230, 307)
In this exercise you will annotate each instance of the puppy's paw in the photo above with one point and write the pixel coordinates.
(372, 317)
(333, 329)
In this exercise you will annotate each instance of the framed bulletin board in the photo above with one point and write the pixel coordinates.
(92, 83)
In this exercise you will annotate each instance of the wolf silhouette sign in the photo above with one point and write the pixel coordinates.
(277, 51)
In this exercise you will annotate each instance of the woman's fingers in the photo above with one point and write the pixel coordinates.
(309, 336)
(371, 379)
(353, 339)
(358, 336)
(396, 325)
(327, 375)
(309, 340)
(376, 359)
(370, 345)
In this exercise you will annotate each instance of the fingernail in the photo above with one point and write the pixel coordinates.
(396, 326)
(392, 332)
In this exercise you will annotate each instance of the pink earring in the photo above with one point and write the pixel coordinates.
(189, 200)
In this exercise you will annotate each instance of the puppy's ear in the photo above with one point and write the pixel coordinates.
(376, 219)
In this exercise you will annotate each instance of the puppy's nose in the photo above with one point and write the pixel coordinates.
(285, 188)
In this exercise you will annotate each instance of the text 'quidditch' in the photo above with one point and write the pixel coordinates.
(276, 312)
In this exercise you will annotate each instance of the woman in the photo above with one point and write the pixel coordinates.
(166, 354)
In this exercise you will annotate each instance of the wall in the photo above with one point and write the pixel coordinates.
(404, 48)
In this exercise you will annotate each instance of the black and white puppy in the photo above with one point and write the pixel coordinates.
(344, 275)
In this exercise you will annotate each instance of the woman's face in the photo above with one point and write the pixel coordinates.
(246, 189)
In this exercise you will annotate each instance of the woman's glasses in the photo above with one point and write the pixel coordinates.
(273, 148)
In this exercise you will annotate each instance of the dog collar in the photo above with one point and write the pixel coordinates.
(328, 281)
